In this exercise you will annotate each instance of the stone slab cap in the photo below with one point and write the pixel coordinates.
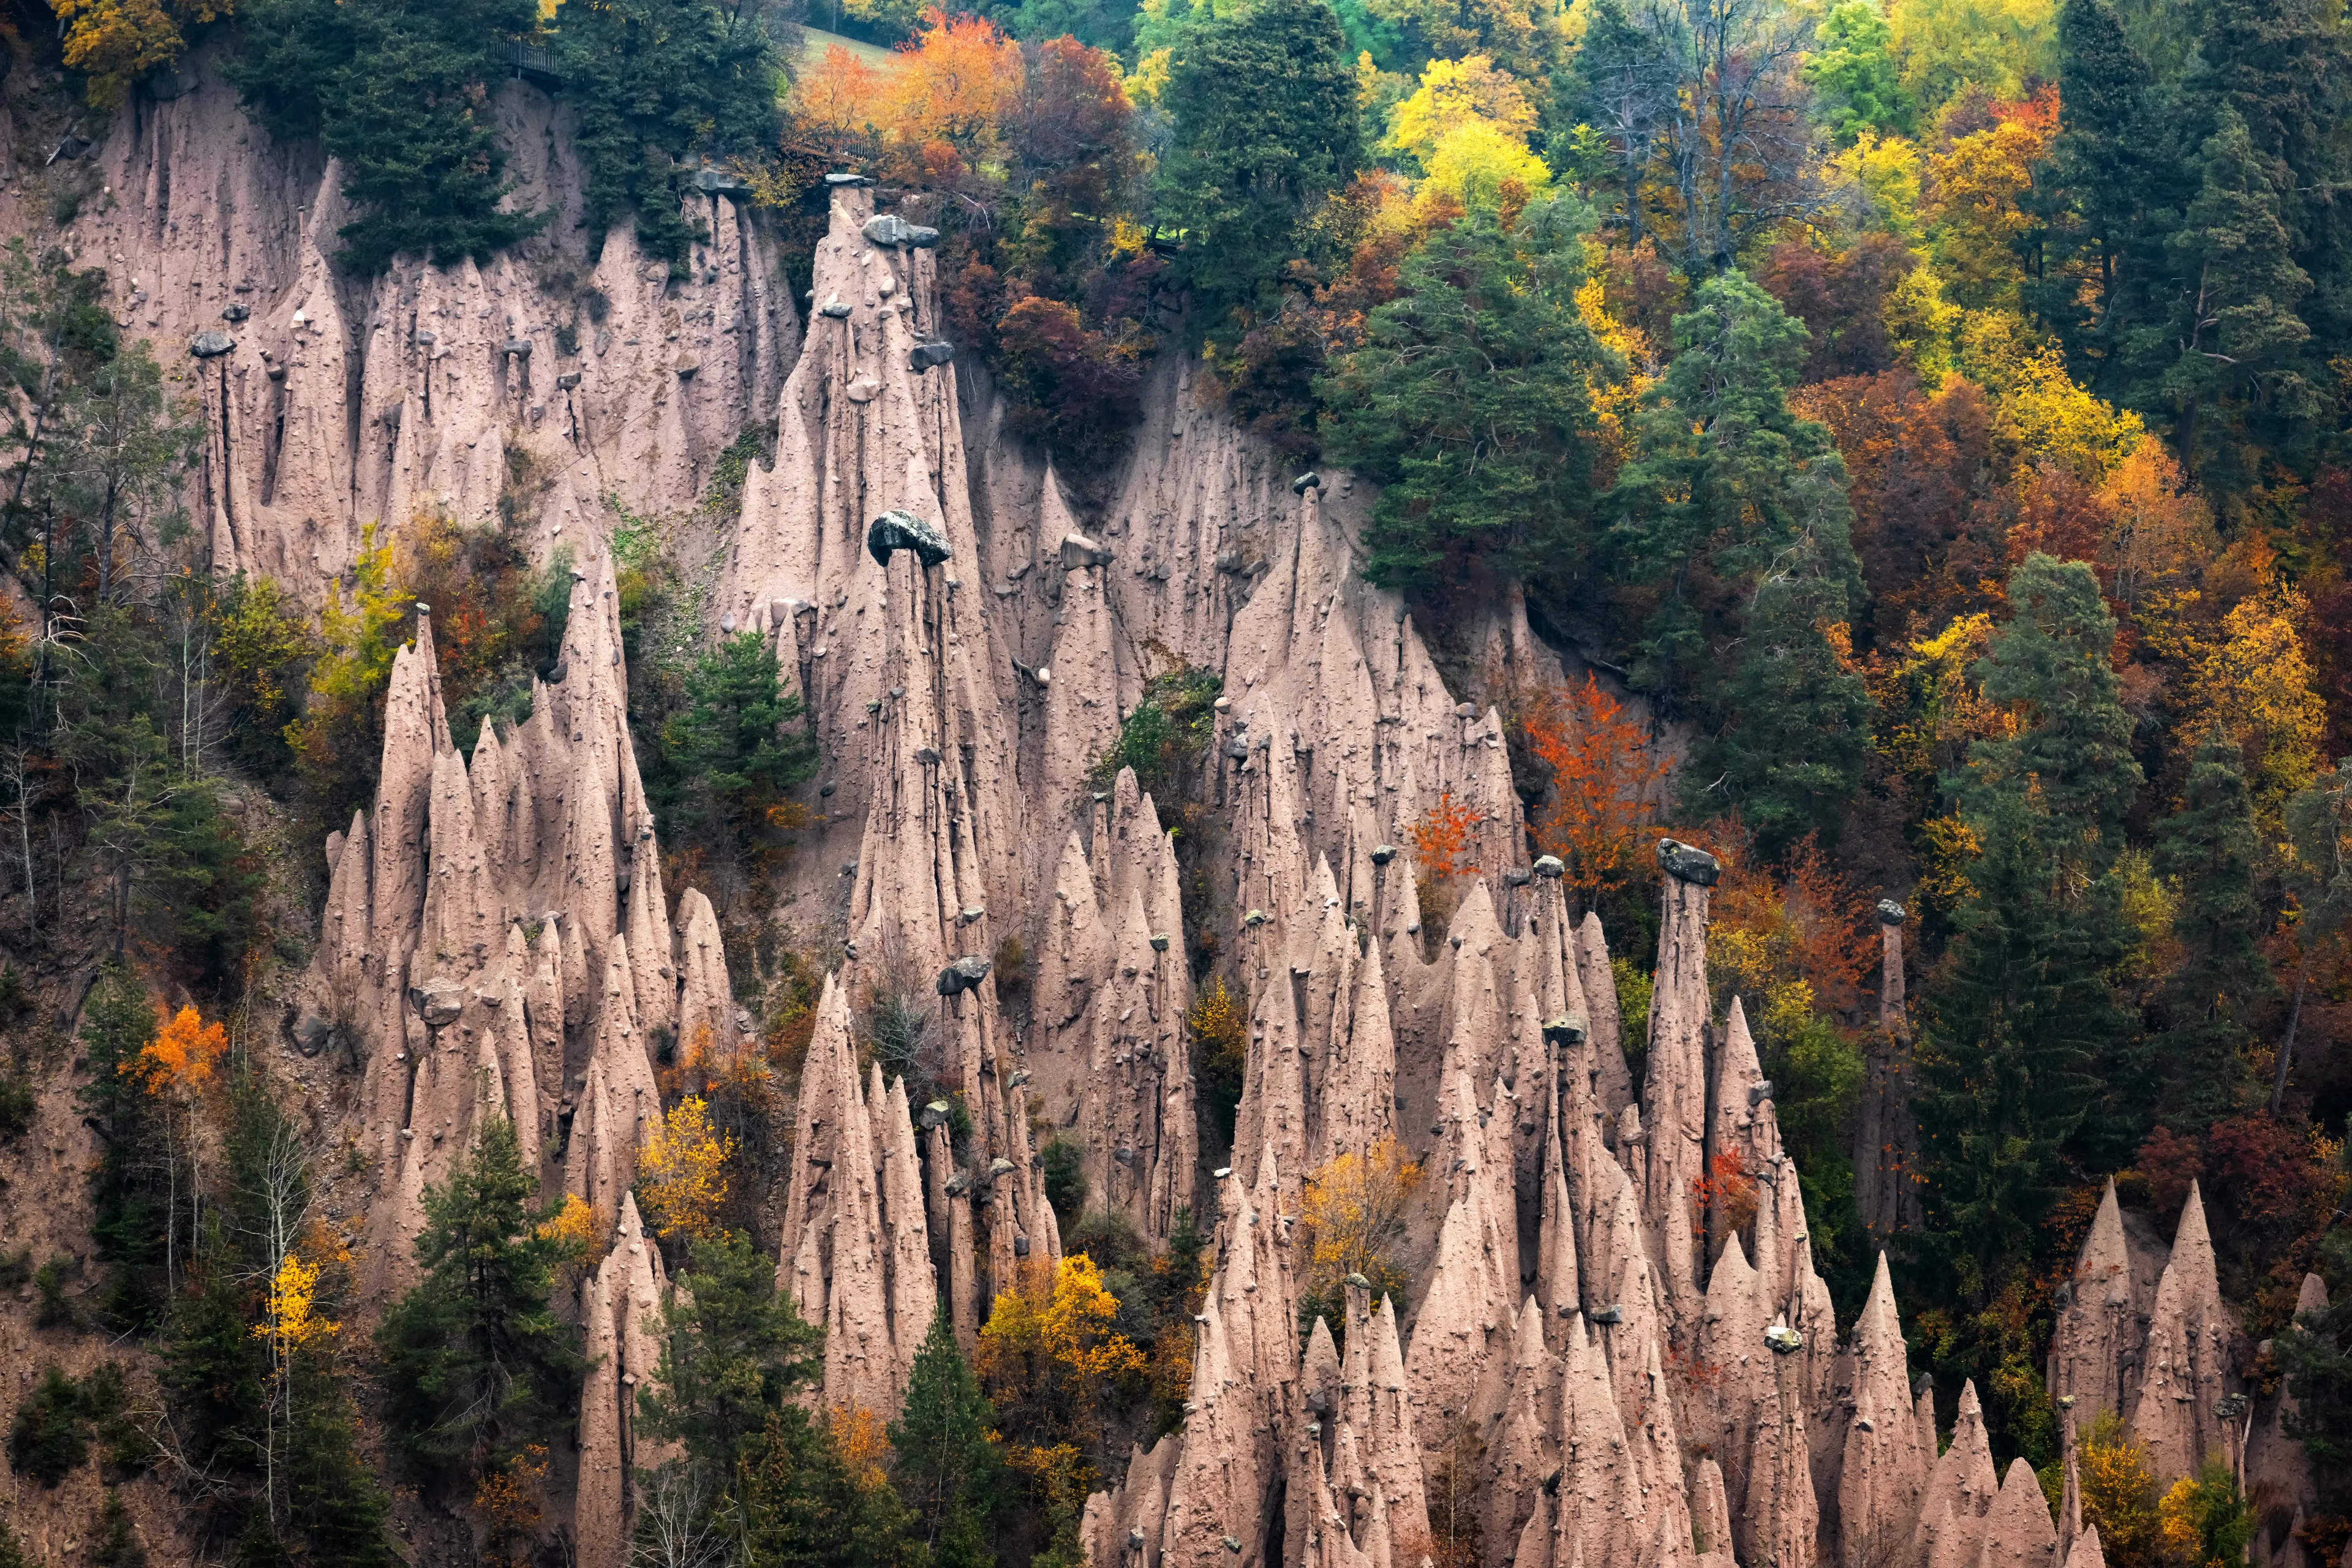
(930, 355)
(211, 345)
(890, 229)
(1688, 863)
(1309, 481)
(1078, 551)
(1891, 913)
(896, 531)
(962, 974)
(720, 183)
(1568, 1029)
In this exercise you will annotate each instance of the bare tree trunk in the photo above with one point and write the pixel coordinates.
(2286, 1046)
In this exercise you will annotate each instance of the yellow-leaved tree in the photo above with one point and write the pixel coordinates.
(682, 1172)
(2254, 684)
(116, 42)
(1053, 1361)
(1455, 91)
(1351, 1221)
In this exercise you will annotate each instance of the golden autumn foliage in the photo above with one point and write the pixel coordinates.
(115, 42)
(1801, 922)
(1974, 214)
(682, 1172)
(2118, 1483)
(1455, 91)
(1351, 1220)
(1053, 1361)
(2255, 685)
(864, 1443)
(1219, 1026)
(289, 1316)
(507, 1497)
(182, 1057)
(573, 1228)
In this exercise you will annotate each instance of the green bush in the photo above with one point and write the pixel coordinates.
(1166, 737)
(48, 1438)
(1065, 1180)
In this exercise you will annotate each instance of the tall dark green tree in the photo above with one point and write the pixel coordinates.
(400, 93)
(1471, 404)
(1797, 714)
(2071, 750)
(2014, 1028)
(2100, 193)
(2020, 1026)
(948, 1471)
(1263, 97)
(738, 746)
(764, 1475)
(658, 84)
(2241, 368)
(128, 1201)
(2209, 851)
(477, 1365)
(1724, 488)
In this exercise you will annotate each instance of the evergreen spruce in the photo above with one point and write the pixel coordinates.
(1797, 718)
(2073, 750)
(477, 1365)
(2210, 852)
(949, 1472)
(1262, 100)
(1471, 404)
(1726, 488)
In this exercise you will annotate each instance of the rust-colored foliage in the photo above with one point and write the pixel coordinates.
(1801, 919)
(1727, 1192)
(1440, 839)
(508, 1500)
(1912, 458)
(1605, 780)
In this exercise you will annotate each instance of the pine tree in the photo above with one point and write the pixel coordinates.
(2209, 851)
(128, 1204)
(477, 1365)
(948, 1471)
(739, 744)
(2013, 1030)
(1471, 404)
(735, 1350)
(2021, 1029)
(1725, 486)
(1791, 752)
(2051, 665)
(2099, 193)
(1263, 100)
(2241, 347)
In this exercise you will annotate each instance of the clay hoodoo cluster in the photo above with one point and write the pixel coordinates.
(1617, 1351)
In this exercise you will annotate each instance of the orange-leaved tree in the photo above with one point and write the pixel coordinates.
(173, 1069)
(1606, 774)
(943, 103)
(1440, 839)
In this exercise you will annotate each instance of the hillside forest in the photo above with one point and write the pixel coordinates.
(1929, 422)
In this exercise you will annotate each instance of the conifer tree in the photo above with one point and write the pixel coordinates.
(1263, 97)
(2051, 665)
(1790, 751)
(1726, 487)
(2209, 851)
(2239, 340)
(477, 1365)
(947, 1467)
(2020, 1028)
(1471, 404)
